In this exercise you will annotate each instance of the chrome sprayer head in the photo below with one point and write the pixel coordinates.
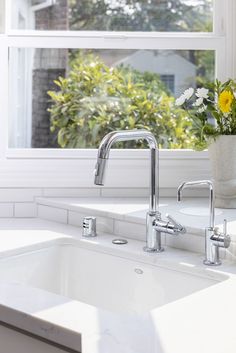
(99, 171)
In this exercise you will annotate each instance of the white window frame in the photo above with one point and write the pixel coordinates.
(73, 168)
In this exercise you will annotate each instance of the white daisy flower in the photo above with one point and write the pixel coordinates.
(198, 102)
(202, 93)
(188, 93)
(180, 101)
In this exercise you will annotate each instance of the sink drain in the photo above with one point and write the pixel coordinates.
(139, 271)
(119, 241)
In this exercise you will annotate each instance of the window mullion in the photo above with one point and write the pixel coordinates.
(219, 14)
(3, 95)
(230, 46)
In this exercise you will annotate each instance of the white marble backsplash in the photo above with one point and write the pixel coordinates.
(126, 217)
(119, 211)
(20, 202)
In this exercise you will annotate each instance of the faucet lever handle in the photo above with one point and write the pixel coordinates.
(221, 240)
(175, 223)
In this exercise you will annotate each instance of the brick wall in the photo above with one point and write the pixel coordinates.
(43, 81)
(54, 17)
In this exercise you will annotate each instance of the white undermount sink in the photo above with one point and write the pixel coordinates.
(102, 280)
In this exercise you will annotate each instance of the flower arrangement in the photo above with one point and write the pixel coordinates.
(212, 110)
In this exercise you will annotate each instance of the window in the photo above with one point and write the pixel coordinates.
(33, 71)
(169, 81)
(101, 90)
(42, 37)
(115, 15)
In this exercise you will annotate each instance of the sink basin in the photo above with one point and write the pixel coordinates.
(102, 280)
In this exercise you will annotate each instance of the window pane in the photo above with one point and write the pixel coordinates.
(71, 98)
(113, 15)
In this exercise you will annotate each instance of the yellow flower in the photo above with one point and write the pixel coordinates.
(225, 101)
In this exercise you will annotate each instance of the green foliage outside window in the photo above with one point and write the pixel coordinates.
(95, 99)
(142, 15)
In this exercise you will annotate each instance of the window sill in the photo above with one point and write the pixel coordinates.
(74, 168)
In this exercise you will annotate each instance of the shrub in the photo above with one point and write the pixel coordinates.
(95, 99)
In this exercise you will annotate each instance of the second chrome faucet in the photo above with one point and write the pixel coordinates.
(214, 240)
(155, 225)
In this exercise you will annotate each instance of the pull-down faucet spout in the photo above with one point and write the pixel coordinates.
(129, 135)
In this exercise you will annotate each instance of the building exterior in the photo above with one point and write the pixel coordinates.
(33, 74)
(175, 71)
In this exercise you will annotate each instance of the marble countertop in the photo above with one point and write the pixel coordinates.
(202, 322)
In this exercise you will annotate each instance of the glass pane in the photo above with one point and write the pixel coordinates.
(113, 15)
(71, 98)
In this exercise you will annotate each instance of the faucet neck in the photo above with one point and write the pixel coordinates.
(154, 179)
(128, 135)
(211, 197)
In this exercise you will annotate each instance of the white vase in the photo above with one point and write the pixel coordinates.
(222, 153)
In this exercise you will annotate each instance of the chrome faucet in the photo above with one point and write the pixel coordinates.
(213, 238)
(154, 224)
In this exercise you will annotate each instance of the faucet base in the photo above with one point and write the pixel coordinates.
(147, 249)
(209, 263)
